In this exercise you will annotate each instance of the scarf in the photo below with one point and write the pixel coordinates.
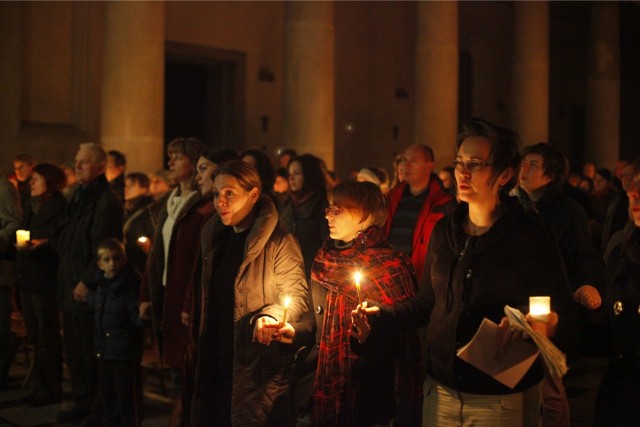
(175, 205)
(387, 277)
(299, 198)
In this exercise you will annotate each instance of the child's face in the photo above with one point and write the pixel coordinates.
(111, 262)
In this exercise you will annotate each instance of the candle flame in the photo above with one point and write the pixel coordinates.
(287, 301)
(357, 276)
(142, 239)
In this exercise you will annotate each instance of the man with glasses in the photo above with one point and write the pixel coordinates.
(416, 205)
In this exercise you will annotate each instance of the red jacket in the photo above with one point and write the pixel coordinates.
(438, 204)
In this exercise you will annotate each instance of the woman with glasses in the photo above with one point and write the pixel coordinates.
(354, 383)
(485, 255)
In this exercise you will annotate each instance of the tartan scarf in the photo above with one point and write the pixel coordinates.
(387, 277)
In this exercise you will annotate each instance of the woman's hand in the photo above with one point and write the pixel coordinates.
(185, 319)
(268, 329)
(80, 292)
(508, 334)
(588, 296)
(144, 310)
(145, 244)
(361, 328)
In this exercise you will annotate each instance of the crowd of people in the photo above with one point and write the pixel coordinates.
(284, 296)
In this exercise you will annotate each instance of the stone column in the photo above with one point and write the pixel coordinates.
(602, 145)
(531, 71)
(133, 83)
(436, 79)
(10, 81)
(309, 79)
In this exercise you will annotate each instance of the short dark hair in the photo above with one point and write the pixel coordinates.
(54, 177)
(140, 178)
(363, 196)
(111, 244)
(264, 167)
(25, 158)
(119, 159)
(605, 173)
(247, 175)
(504, 148)
(312, 173)
(220, 156)
(555, 164)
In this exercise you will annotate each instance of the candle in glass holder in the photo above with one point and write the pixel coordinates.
(357, 276)
(540, 307)
(287, 301)
(22, 237)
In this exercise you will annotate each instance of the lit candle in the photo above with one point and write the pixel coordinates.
(287, 301)
(143, 239)
(22, 237)
(357, 276)
(540, 307)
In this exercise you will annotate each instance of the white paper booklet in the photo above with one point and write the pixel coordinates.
(507, 367)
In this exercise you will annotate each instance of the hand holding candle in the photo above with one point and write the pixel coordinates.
(539, 310)
(357, 276)
(22, 238)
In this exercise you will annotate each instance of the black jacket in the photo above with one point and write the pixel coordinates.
(36, 268)
(468, 278)
(93, 215)
(118, 328)
(567, 222)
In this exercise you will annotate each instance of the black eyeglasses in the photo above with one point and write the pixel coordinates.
(472, 165)
(333, 210)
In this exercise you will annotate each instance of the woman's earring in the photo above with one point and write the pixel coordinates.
(361, 237)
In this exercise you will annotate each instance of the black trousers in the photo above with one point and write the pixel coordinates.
(42, 320)
(119, 392)
(81, 360)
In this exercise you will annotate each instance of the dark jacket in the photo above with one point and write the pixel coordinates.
(137, 224)
(36, 268)
(468, 278)
(438, 204)
(94, 214)
(167, 303)
(118, 328)
(567, 222)
(308, 224)
(271, 269)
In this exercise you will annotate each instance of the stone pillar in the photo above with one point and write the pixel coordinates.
(309, 79)
(531, 71)
(10, 81)
(436, 79)
(602, 136)
(133, 83)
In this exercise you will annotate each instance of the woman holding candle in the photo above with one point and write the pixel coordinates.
(485, 255)
(250, 266)
(619, 395)
(354, 383)
(36, 267)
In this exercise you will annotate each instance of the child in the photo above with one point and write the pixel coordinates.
(117, 333)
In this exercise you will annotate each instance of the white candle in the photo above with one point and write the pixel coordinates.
(287, 301)
(357, 276)
(22, 237)
(539, 306)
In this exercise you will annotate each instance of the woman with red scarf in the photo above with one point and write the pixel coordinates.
(356, 383)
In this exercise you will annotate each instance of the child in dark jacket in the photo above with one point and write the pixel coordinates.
(118, 331)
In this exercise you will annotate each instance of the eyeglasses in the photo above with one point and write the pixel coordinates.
(333, 210)
(472, 165)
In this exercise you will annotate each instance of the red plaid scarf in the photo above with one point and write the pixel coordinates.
(387, 277)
